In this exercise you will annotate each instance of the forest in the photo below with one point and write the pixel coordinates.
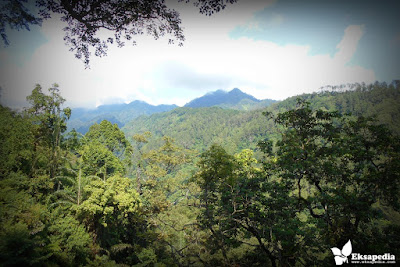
(278, 186)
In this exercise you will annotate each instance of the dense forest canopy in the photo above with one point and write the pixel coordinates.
(301, 177)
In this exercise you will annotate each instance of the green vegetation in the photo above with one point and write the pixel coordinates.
(234, 99)
(81, 119)
(198, 128)
(234, 130)
(202, 187)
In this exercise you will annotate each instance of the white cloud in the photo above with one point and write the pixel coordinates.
(348, 46)
(159, 73)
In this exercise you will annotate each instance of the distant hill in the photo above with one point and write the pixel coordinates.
(121, 114)
(81, 119)
(235, 99)
(198, 128)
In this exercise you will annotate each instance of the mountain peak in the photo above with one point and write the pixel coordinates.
(221, 98)
(235, 91)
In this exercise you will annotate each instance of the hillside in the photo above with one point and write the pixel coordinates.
(234, 99)
(378, 99)
(120, 114)
(198, 128)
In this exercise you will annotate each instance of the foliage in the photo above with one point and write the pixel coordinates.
(49, 122)
(109, 135)
(104, 150)
(336, 168)
(321, 181)
(110, 205)
(319, 178)
(377, 99)
(199, 128)
(16, 143)
(122, 20)
(15, 14)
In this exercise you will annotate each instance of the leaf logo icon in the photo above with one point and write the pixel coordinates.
(341, 255)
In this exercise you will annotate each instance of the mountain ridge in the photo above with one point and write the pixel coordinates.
(121, 114)
(198, 128)
(221, 97)
(82, 118)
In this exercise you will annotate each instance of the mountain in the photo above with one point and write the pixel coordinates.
(235, 99)
(81, 119)
(121, 114)
(198, 128)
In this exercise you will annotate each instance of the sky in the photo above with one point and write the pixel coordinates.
(270, 49)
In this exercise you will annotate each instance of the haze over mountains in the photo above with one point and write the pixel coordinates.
(81, 118)
(121, 114)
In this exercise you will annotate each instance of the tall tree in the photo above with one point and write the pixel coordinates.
(49, 118)
(140, 140)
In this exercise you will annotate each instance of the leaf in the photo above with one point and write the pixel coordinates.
(336, 252)
(346, 250)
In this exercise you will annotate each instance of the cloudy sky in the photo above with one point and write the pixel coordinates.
(270, 49)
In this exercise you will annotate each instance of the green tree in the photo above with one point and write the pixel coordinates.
(98, 160)
(104, 150)
(328, 179)
(165, 160)
(49, 118)
(23, 222)
(16, 143)
(70, 243)
(241, 208)
(110, 136)
(113, 214)
(215, 178)
(337, 169)
(140, 140)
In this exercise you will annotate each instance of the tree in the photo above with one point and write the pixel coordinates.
(104, 150)
(49, 120)
(340, 171)
(121, 19)
(110, 135)
(215, 177)
(160, 167)
(140, 140)
(16, 143)
(240, 207)
(113, 214)
(23, 221)
(327, 179)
